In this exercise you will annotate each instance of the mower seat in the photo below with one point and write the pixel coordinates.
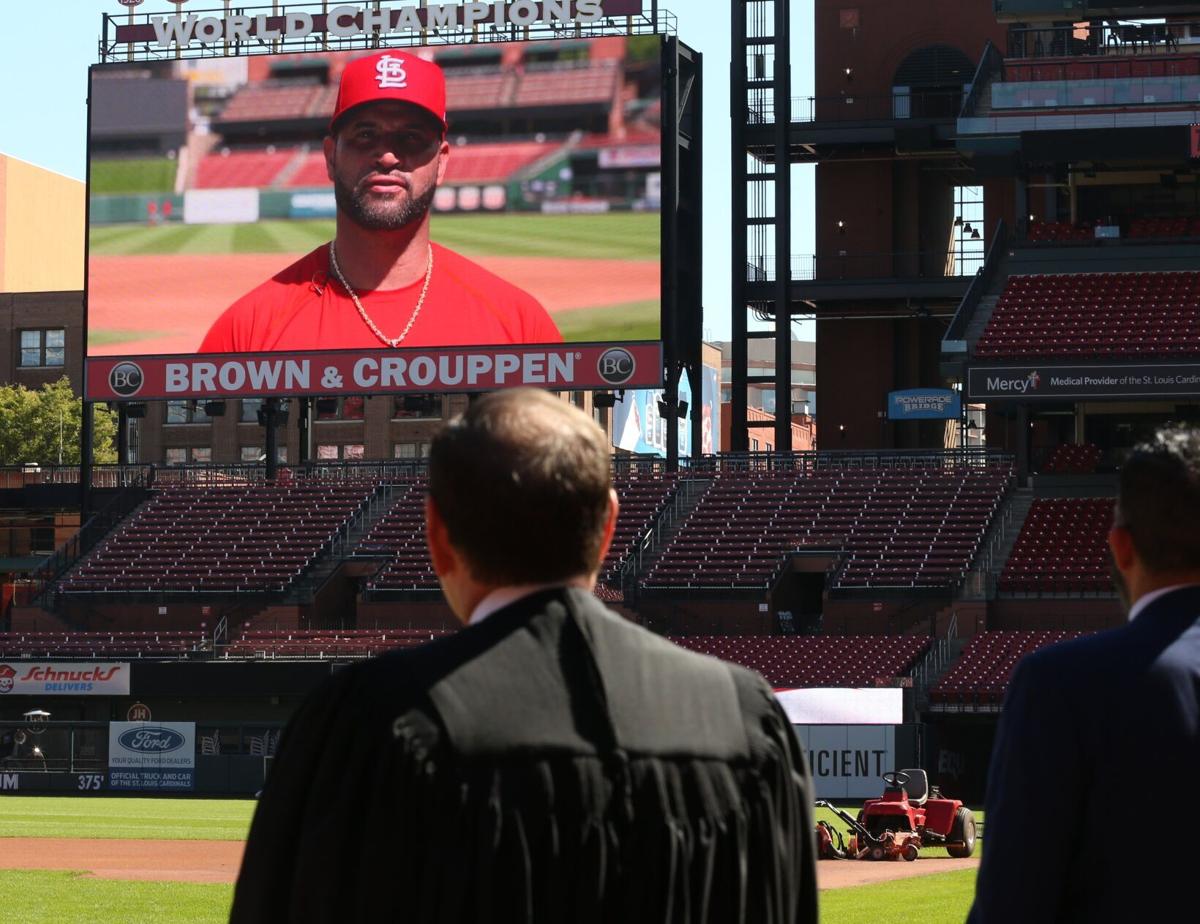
(917, 786)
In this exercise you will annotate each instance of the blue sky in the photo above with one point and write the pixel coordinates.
(43, 112)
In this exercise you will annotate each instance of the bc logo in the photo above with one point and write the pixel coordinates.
(392, 75)
(125, 379)
(616, 366)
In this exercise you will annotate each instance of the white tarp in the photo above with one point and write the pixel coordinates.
(861, 706)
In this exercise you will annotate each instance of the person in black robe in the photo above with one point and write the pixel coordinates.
(552, 762)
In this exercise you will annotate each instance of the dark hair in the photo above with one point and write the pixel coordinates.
(1159, 500)
(522, 482)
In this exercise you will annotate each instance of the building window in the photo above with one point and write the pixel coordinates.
(201, 454)
(969, 252)
(43, 348)
(350, 408)
(175, 456)
(411, 450)
(251, 453)
(183, 412)
(330, 452)
(417, 407)
(250, 409)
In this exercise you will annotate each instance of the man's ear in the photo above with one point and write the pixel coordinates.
(443, 156)
(1120, 543)
(610, 525)
(437, 537)
(330, 146)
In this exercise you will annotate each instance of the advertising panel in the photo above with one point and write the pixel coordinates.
(924, 404)
(69, 678)
(710, 407)
(639, 425)
(16, 782)
(152, 756)
(848, 760)
(1095, 381)
(491, 196)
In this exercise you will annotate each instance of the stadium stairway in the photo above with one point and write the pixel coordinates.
(292, 167)
(983, 314)
(304, 589)
(691, 492)
(997, 546)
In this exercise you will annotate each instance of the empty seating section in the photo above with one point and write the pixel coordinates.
(1062, 548)
(1072, 459)
(981, 675)
(311, 172)
(326, 643)
(1178, 226)
(815, 660)
(238, 169)
(219, 539)
(479, 90)
(1106, 68)
(1095, 314)
(595, 83)
(400, 533)
(1040, 231)
(898, 527)
(154, 644)
(267, 102)
(486, 163)
(641, 503)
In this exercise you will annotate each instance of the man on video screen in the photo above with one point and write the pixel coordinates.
(381, 282)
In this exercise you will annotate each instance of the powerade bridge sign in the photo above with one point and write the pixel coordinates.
(1056, 383)
(152, 756)
(924, 404)
(68, 678)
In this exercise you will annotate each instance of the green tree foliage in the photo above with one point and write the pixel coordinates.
(36, 425)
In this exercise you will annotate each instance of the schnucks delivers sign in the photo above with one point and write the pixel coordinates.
(924, 404)
(149, 755)
(1055, 383)
(75, 678)
(562, 367)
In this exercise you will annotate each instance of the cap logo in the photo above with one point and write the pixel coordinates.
(392, 75)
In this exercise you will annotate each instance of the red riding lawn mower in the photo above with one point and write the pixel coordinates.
(908, 817)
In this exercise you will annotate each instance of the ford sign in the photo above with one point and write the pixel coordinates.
(151, 740)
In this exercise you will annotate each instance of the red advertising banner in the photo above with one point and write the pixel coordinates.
(558, 367)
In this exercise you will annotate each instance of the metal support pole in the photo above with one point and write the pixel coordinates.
(670, 254)
(85, 462)
(271, 441)
(739, 436)
(122, 434)
(783, 231)
(304, 426)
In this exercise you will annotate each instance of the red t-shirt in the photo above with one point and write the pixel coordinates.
(305, 308)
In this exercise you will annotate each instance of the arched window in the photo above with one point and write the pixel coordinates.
(929, 83)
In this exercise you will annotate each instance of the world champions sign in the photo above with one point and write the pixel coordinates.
(349, 21)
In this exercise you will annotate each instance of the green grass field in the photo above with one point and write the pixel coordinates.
(143, 175)
(616, 236)
(159, 819)
(59, 897)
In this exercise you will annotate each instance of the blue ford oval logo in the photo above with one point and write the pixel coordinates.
(151, 740)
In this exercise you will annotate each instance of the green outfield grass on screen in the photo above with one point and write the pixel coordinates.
(618, 236)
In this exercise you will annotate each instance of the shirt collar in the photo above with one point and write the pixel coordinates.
(1146, 599)
(501, 597)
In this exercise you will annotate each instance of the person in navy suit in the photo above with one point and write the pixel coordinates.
(1097, 755)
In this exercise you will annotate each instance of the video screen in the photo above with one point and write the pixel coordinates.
(434, 197)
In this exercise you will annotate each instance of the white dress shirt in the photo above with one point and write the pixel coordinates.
(501, 597)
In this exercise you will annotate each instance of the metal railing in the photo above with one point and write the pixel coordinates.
(957, 330)
(807, 267)
(812, 461)
(933, 105)
(991, 65)
(1102, 38)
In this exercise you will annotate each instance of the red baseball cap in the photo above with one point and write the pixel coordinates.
(392, 75)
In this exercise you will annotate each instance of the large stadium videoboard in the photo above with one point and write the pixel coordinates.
(453, 218)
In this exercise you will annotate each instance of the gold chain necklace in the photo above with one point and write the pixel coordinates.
(362, 312)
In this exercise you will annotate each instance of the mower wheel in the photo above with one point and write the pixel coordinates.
(961, 842)
(909, 852)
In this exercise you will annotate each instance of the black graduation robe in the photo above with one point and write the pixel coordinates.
(553, 763)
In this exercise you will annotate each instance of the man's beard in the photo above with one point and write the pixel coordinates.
(379, 214)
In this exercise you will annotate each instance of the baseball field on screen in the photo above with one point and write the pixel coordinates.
(74, 861)
(157, 288)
